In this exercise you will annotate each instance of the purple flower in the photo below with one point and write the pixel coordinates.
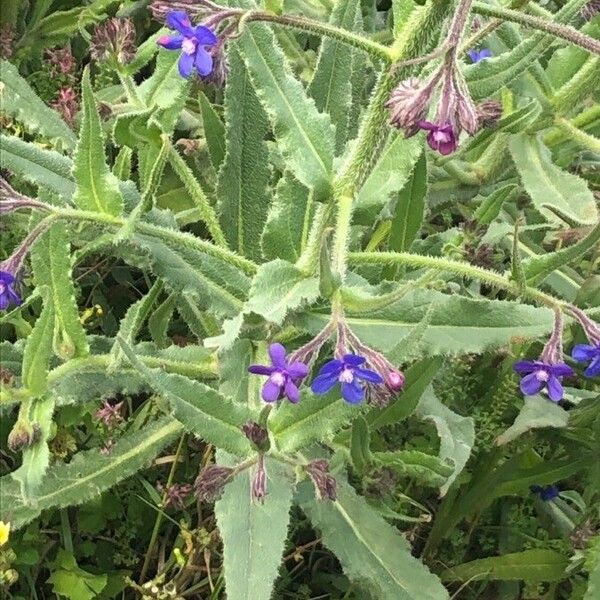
(539, 375)
(8, 295)
(283, 376)
(545, 493)
(479, 55)
(441, 137)
(349, 374)
(192, 42)
(588, 353)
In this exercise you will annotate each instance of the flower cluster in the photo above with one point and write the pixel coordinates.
(114, 40)
(546, 372)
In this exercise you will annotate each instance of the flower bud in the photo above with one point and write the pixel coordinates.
(257, 434)
(210, 483)
(395, 380)
(489, 113)
(408, 104)
(23, 435)
(325, 484)
(114, 40)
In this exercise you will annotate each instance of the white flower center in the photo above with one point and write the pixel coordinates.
(278, 378)
(188, 46)
(346, 376)
(542, 375)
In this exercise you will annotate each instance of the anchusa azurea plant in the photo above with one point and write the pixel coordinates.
(288, 281)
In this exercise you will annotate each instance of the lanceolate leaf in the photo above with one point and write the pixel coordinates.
(331, 85)
(214, 130)
(278, 288)
(45, 168)
(88, 474)
(21, 102)
(548, 186)
(491, 206)
(166, 86)
(254, 534)
(529, 565)
(305, 137)
(457, 433)
(456, 324)
(288, 223)
(428, 469)
(199, 408)
(243, 181)
(97, 187)
(371, 552)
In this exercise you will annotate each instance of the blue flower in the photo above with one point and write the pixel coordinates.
(283, 376)
(545, 493)
(192, 41)
(588, 353)
(349, 374)
(539, 375)
(8, 295)
(479, 55)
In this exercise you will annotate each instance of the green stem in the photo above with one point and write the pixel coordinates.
(585, 140)
(566, 32)
(582, 120)
(457, 267)
(159, 515)
(342, 234)
(129, 87)
(208, 213)
(323, 29)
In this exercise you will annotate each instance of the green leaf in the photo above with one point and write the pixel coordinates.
(427, 469)
(254, 534)
(288, 222)
(70, 581)
(537, 412)
(359, 445)
(166, 87)
(370, 551)
(305, 137)
(491, 206)
(46, 168)
(456, 325)
(199, 408)
(51, 259)
(214, 130)
(408, 216)
(593, 568)
(389, 175)
(97, 187)
(233, 368)
(158, 323)
(457, 433)
(487, 77)
(314, 418)
(529, 565)
(278, 288)
(331, 85)
(554, 192)
(88, 474)
(244, 177)
(21, 102)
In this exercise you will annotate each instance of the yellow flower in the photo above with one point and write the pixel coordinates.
(4, 532)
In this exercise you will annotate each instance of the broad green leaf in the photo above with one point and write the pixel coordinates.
(199, 408)
(51, 259)
(401, 10)
(537, 412)
(593, 568)
(214, 130)
(427, 469)
(418, 377)
(331, 85)
(20, 101)
(456, 325)
(360, 439)
(389, 175)
(254, 534)
(548, 186)
(97, 187)
(278, 288)
(289, 220)
(487, 77)
(233, 371)
(314, 418)
(244, 177)
(88, 474)
(529, 565)
(70, 581)
(457, 433)
(165, 88)
(305, 137)
(46, 168)
(370, 551)
(408, 216)
(491, 206)
(36, 458)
